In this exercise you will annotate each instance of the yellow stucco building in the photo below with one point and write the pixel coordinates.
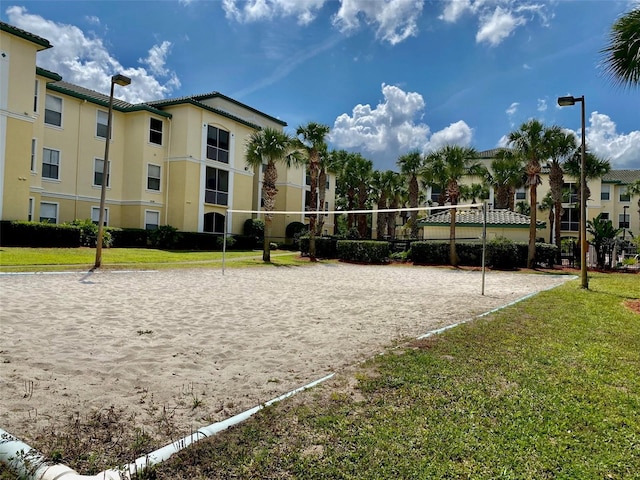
(178, 162)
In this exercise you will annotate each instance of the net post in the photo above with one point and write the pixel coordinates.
(485, 206)
(224, 239)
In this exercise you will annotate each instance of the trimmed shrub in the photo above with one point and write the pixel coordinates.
(326, 247)
(220, 242)
(37, 234)
(469, 254)
(196, 241)
(363, 251)
(546, 254)
(165, 236)
(503, 254)
(295, 228)
(430, 253)
(129, 237)
(254, 227)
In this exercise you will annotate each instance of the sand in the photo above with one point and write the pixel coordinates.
(200, 346)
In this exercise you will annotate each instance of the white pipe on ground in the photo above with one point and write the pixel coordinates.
(32, 465)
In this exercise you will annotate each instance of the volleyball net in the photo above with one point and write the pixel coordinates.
(477, 208)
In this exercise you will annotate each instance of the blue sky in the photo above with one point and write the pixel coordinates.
(387, 76)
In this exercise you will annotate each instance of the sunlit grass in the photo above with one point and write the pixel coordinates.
(28, 259)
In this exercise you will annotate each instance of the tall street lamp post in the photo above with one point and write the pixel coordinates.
(564, 102)
(123, 82)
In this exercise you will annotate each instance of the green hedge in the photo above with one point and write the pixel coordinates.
(326, 247)
(129, 237)
(36, 234)
(501, 253)
(363, 251)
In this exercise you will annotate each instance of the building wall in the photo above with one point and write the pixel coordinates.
(181, 156)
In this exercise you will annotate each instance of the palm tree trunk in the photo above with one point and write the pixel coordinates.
(313, 208)
(269, 191)
(453, 255)
(533, 190)
(322, 180)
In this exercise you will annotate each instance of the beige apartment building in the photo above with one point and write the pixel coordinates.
(178, 162)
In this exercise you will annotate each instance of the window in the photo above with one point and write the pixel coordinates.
(623, 220)
(98, 172)
(155, 131)
(214, 222)
(217, 186)
(570, 219)
(102, 124)
(327, 185)
(49, 212)
(53, 111)
(570, 193)
(151, 219)
(34, 147)
(217, 144)
(30, 211)
(624, 195)
(435, 193)
(326, 208)
(50, 163)
(95, 216)
(35, 96)
(605, 192)
(604, 215)
(153, 177)
(521, 194)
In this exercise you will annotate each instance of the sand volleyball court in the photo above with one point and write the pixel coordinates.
(200, 346)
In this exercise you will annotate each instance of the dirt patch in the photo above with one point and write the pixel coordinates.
(633, 305)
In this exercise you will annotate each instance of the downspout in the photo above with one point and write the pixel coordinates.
(32, 465)
(166, 193)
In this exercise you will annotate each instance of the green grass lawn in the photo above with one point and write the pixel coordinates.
(27, 259)
(547, 388)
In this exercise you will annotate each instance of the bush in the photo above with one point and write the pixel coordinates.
(503, 254)
(295, 230)
(363, 251)
(430, 253)
(546, 254)
(165, 236)
(38, 234)
(129, 237)
(254, 227)
(326, 247)
(220, 242)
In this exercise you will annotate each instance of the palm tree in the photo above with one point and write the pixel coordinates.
(450, 164)
(410, 164)
(270, 146)
(562, 145)
(382, 185)
(326, 164)
(604, 234)
(531, 144)
(311, 139)
(622, 54)
(548, 205)
(397, 197)
(507, 176)
(353, 177)
(595, 167)
(474, 192)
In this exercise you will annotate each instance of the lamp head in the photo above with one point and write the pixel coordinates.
(566, 101)
(120, 80)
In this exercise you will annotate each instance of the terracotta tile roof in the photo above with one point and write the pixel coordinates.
(476, 218)
(624, 177)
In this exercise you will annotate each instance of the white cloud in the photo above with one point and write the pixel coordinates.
(497, 19)
(455, 9)
(527, 67)
(394, 20)
(84, 60)
(393, 128)
(458, 133)
(496, 27)
(542, 105)
(257, 10)
(622, 150)
(513, 108)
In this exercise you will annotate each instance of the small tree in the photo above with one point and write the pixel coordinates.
(604, 237)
